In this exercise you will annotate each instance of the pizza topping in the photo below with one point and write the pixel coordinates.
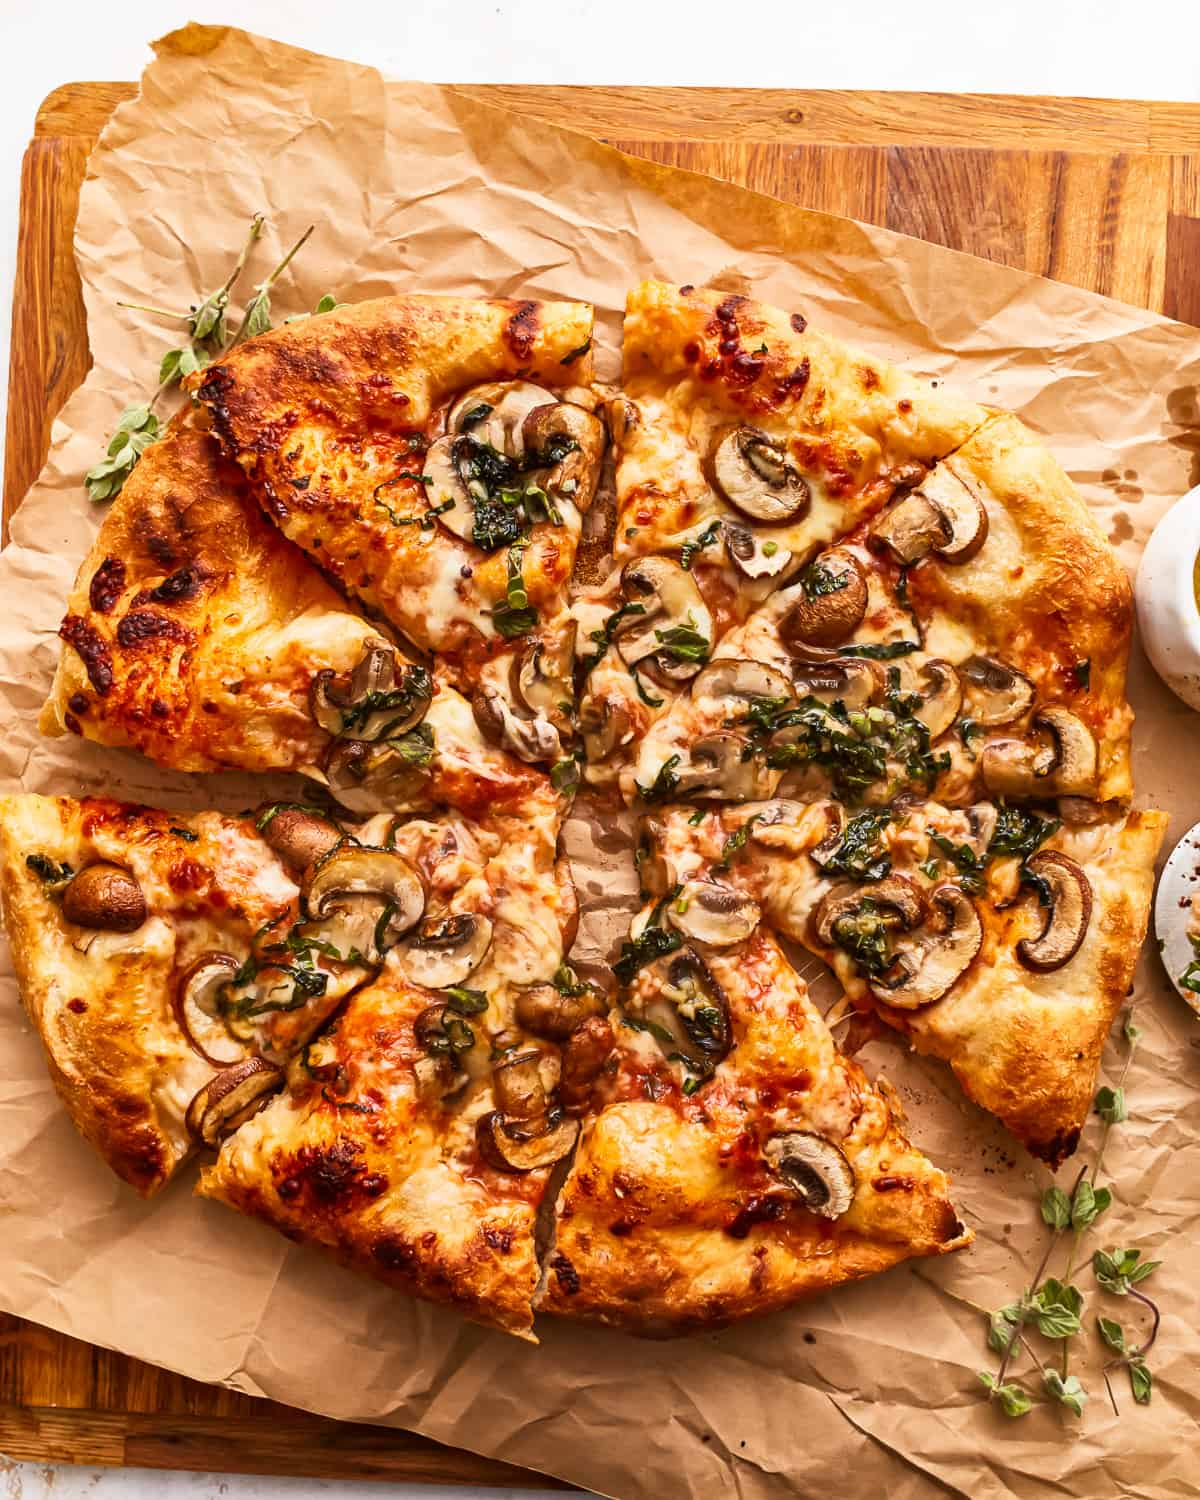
(715, 915)
(1013, 768)
(1075, 766)
(732, 683)
(943, 516)
(924, 967)
(830, 602)
(814, 1168)
(672, 631)
(365, 899)
(105, 897)
(200, 1010)
(754, 474)
(996, 692)
(982, 821)
(941, 698)
(382, 777)
(517, 1152)
(849, 682)
(686, 1012)
(1066, 893)
(376, 703)
(583, 1059)
(1064, 762)
(754, 555)
(531, 739)
(861, 918)
(447, 491)
(567, 443)
(495, 414)
(543, 674)
(552, 1013)
(234, 1096)
(604, 724)
(299, 835)
(718, 769)
(447, 950)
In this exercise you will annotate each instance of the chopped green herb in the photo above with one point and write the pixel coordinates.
(888, 651)
(687, 553)
(862, 854)
(664, 784)
(817, 581)
(736, 842)
(465, 1002)
(515, 617)
(184, 833)
(1020, 832)
(48, 869)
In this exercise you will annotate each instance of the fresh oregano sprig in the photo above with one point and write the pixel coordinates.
(1118, 1272)
(208, 338)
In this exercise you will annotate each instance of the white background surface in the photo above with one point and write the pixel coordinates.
(1104, 48)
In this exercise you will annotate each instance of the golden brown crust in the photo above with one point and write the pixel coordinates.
(669, 1219)
(292, 408)
(195, 629)
(102, 1001)
(386, 1181)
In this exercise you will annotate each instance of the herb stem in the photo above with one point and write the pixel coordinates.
(158, 312)
(1027, 1296)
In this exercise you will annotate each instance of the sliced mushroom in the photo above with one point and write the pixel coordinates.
(546, 1011)
(622, 416)
(655, 874)
(446, 951)
(376, 701)
(1080, 812)
(735, 682)
(520, 1093)
(847, 681)
(941, 696)
(716, 771)
(544, 674)
(378, 778)
(895, 897)
(756, 476)
(509, 1153)
(996, 692)
(530, 739)
(824, 851)
(199, 1010)
(447, 491)
(1075, 764)
(830, 602)
(604, 725)
(366, 897)
(943, 516)
(814, 1168)
(753, 554)
(230, 1099)
(982, 818)
(298, 835)
(496, 413)
(571, 442)
(583, 1059)
(106, 897)
(687, 1011)
(1067, 914)
(715, 915)
(961, 509)
(670, 601)
(1014, 768)
(926, 966)
(585, 396)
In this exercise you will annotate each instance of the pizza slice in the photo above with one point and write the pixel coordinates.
(994, 937)
(173, 964)
(419, 1135)
(435, 455)
(735, 1160)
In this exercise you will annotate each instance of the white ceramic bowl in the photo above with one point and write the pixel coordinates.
(1179, 882)
(1168, 616)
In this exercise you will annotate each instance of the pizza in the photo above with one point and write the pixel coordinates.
(855, 659)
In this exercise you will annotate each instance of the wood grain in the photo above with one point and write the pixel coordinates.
(1101, 193)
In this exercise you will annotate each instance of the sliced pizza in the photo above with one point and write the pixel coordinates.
(435, 455)
(734, 1160)
(994, 937)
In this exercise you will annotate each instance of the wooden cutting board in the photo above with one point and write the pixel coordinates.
(1105, 194)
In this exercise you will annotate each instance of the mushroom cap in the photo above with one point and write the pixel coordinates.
(814, 1168)
(1067, 916)
(926, 967)
(506, 1153)
(547, 1012)
(996, 693)
(1076, 760)
(604, 725)
(961, 509)
(579, 436)
(530, 739)
(106, 897)
(542, 674)
(844, 680)
(941, 697)
(446, 490)
(823, 614)
(715, 915)
(754, 555)
(502, 426)
(670, 599)
(894, 893)
(911, 528)
(1017, 769)
(717, 772)
(361, 885)
(755, 475)
(199, 1012)
(297, 834)
(517, 1082)
(737, 680)
(368, 779)
(687, 1010)
(230, 1099)
(445, 950)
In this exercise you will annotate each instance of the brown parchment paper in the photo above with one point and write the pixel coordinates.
(867, 1392)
